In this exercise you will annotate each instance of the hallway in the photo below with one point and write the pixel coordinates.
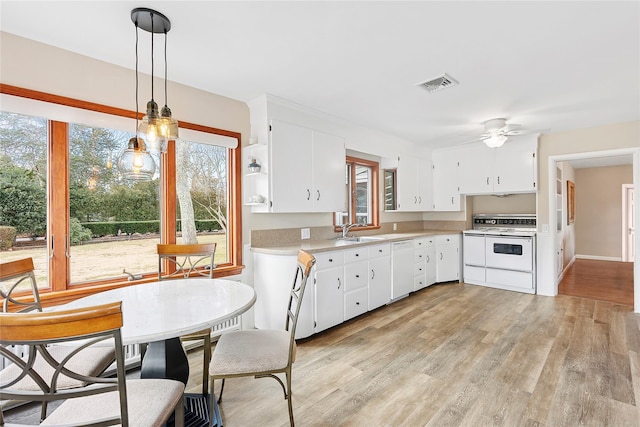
(609, 281)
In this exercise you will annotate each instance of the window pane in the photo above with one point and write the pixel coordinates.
(389, 190)
(114, 223)
(363, 195)
(23, 190)
(203, 195)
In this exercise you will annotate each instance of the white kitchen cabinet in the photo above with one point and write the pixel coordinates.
(328, 280)
(424, 263)
(401, 268)
(447, 257)
(379, 275)
(356, 282)
(507, 169)
(414, 189)
(306, 169)
(446, 192)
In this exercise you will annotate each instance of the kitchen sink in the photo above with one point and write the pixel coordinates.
(360, 239)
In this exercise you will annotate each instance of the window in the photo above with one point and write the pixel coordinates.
(390, 190)
(361, 181)
(90, 225)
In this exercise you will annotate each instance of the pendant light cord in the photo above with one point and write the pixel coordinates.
(151, 13)
(165, 68)
(137, 109)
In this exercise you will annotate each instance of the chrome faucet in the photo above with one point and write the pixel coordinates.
(346, 228)
(132, 277)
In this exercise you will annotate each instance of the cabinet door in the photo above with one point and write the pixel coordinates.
(328, 192)
(446, 195)
(447, 262)
(430, 267)
(329, 298)
(475, 173)
(424, 185)
(379, 282)
(515, 166)
(407, 179)
(290, 168)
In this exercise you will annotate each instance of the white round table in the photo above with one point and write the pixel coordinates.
(158, 313)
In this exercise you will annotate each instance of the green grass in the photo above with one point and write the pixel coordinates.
(107, 259)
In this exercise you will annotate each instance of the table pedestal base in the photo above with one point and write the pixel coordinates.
(165, 359)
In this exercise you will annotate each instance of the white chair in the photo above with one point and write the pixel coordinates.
(17, 277)
(102, 401)
(261, 352)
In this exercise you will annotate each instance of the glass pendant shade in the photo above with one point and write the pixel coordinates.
(135, 163)
(150, 129)
(495, 141)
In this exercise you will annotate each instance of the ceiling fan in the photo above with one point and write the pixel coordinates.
(497, 131)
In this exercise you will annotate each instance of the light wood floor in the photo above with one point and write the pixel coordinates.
(602, 280)
(459, 355)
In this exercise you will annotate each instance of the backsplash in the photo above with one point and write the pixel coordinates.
(290, 236)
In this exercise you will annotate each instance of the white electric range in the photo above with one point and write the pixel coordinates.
(500, 252)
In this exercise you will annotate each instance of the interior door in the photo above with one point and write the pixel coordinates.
(628, 223)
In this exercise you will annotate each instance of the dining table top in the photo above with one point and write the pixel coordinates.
(167, 309)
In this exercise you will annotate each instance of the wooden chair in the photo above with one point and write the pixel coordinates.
(261, 352)
(184, 261)
(91, 361)
(103, 401)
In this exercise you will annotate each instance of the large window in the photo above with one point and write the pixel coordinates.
(361, 181)
(84, 225)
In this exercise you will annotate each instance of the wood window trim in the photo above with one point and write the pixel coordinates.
(375, 196)
(60, 290)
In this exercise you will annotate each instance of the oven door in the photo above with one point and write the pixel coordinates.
(509, 252)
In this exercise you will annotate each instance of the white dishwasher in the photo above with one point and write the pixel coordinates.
(402, 268)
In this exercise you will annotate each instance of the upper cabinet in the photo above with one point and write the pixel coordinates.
(507, 169)
(414, 184)
(306, 169)
(446, 191)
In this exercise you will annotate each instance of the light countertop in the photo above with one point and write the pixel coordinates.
(315, 246)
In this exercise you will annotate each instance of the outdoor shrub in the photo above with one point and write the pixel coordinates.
(78, 233)
(7, 236)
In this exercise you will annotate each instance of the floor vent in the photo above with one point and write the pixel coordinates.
(442, 82)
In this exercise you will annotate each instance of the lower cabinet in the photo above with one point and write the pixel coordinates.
(346, 283)
(447, 257)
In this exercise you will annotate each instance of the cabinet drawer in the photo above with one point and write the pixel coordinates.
(328, 260)
(419, 254)
(356, 303)
(357, 254)
(444, 239)
(419, 282)
(381, 250)
(355, 275)
(474, 275)
(419, 268)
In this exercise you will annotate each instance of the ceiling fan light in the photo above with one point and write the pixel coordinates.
(495, 141)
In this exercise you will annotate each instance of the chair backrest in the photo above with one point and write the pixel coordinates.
(18, 276)
(38, 330)
(186, 260)
(304, 264)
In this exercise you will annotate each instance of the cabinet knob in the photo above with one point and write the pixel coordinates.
(330, 259)
(357, 303)
(380, 250)
(357, 254)
(357, 276)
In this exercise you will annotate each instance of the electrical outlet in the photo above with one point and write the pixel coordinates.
(395, 226)
(305, 233)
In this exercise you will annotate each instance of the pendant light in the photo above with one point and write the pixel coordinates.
(135, 163)
(155, 128)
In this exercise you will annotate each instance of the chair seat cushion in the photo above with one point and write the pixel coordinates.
(149, 402)
(91, 361)
(251, 352)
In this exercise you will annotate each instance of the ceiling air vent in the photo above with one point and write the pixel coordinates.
(442, 82)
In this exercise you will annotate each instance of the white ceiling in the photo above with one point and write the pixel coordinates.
(545, 65)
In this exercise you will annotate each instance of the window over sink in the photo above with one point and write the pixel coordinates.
(361, 181)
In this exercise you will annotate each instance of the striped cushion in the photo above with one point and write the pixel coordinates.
(251, 351)
(90, 361)
(150, 402)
